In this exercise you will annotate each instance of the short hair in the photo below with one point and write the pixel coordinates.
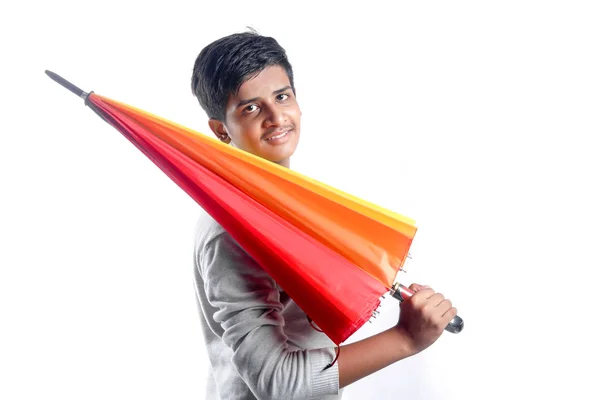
(224, 65)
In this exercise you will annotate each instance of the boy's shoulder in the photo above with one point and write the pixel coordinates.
(207, 229)
(214, 242)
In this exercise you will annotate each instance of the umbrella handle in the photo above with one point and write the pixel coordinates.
(401, 292)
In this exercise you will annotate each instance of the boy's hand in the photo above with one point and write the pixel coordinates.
(423, 317)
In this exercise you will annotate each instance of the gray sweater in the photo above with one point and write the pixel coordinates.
(259, 342)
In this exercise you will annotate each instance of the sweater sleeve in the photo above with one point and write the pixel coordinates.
(249, 311)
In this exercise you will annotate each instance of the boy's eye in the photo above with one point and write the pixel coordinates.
(283, 96)
(251, 108)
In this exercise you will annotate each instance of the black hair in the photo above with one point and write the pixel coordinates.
(225, 64)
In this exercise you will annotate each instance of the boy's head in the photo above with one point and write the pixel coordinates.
(245, 84)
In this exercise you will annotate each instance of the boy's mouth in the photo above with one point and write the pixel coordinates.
(279, 134)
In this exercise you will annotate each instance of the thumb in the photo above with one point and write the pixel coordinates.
(415, 287)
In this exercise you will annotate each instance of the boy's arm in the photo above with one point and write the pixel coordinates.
(360, 359)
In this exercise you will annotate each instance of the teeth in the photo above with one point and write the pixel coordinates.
(278, 136)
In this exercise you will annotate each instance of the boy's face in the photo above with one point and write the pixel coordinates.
(263, 118)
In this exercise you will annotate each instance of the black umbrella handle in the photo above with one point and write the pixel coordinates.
(401, 292)
(65, 83)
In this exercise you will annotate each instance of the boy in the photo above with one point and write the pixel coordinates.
(260, 343)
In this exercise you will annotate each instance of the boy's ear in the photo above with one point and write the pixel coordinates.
(219, 130)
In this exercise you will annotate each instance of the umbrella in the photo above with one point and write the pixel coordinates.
(333, 253)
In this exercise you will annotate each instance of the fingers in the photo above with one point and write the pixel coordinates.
(432, 303)
(423, 295)
(451, 313)
(446, 311)
(444, 305)
(435, 303)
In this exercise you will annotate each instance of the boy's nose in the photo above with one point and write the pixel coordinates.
(276, 116)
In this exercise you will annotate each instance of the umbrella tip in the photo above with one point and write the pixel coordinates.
(51, 74)
(66, 84)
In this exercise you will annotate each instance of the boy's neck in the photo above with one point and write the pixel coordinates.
(285, 163)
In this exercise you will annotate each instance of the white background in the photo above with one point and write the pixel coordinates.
(480, 120)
